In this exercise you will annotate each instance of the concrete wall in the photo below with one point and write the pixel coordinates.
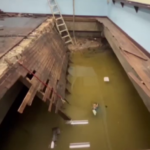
(83, 7)
(136, 25)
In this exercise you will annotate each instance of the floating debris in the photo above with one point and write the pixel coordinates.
(77, 122)
(106, 79)
(79, 145)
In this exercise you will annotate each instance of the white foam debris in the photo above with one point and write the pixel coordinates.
(106, 79)
(77, 122)
(79, 145)
(94, 112)
(52, 145)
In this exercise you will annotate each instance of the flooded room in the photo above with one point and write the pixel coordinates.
(74, 75)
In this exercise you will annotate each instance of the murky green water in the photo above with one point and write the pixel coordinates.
(122, 123)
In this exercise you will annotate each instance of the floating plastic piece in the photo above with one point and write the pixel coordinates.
(78, 122)
(79, 145)
(106, 79)
(94, 112)
(52, 145)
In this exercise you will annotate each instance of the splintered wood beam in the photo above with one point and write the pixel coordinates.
(63, 60)
(35, 84)
(54, 77)
(29, 96)
(63, 63)
(25, 81)
(52, 100)
(39, 75)
(48, 90)
(51, 104)
(46, 73)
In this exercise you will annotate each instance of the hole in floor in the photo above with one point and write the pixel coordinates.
(30, 75)
(16, 94)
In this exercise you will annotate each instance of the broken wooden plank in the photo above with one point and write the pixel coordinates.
(46, 73)
(33, 89)
(54, 76)
(39, 74)
(48, 90)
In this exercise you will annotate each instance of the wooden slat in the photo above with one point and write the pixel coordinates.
(48, 91)
(54, 76)
(38, 57)
(39, 74)
(140, 83)
(47, 71)
(133, 55)
(136, 55)
(29, 57)
(35, 84)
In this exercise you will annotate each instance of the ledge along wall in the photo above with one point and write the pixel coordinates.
(44, 52)
(135, 24)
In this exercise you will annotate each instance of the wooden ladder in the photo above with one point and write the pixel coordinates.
(60, 23)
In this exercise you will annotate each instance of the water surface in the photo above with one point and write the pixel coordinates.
(122, 122)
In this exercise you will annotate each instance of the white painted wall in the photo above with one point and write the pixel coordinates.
(83, 7)
(136, 25)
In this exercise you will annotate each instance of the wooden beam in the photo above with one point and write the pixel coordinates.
(140, 83)
(132, 53)
(48, 90)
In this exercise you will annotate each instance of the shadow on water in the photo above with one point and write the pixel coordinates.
(123, 120)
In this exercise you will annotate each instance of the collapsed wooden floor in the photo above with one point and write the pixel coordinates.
(130, 55)
(40, 54)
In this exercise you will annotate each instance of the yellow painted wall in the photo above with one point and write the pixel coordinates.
(141, 1)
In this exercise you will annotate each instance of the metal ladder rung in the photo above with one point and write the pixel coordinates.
(59, 18)
(65, 36)
(68, 41)
(61, 25)
(63, 30)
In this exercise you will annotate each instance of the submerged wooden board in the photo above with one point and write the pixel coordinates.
(139, 63)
